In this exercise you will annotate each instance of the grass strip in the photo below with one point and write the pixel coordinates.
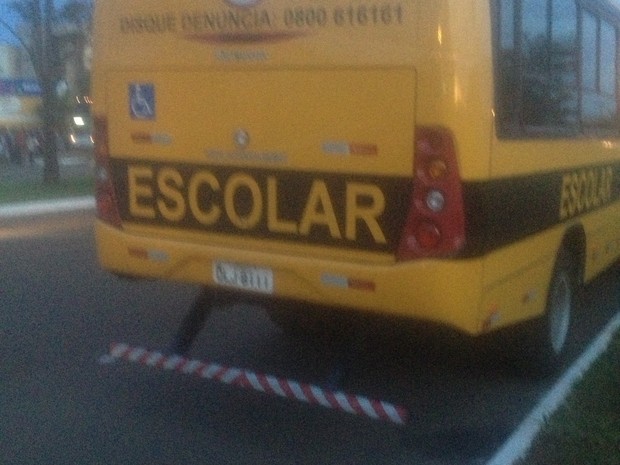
(586, 430)
(12, 192)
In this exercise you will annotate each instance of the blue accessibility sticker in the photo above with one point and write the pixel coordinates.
(142, 100)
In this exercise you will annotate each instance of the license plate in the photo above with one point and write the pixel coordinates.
(244, 277)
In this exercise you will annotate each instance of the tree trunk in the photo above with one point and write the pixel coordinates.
(51, 169)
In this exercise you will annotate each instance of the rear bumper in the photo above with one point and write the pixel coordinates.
(442, 291)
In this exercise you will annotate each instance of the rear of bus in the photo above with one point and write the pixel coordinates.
(306, 150)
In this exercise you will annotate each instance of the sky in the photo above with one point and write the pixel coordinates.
(5, 15)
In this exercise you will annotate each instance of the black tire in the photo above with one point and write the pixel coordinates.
(549, 335)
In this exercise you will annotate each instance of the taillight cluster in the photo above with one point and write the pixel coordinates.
(107, 209)
(435, 224)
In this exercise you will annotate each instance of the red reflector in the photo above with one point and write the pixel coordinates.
(427, 235)
(107, 209)
(105, 205)
(141, 138)
(138, 252)
(363, 149)
(361, 285)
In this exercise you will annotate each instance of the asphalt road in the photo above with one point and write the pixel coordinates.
(58, 405)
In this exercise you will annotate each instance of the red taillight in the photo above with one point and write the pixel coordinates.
(435, 224)
(107, 209)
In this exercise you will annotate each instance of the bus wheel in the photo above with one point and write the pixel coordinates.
(550, 334)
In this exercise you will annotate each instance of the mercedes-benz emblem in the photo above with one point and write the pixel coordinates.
(241, 138)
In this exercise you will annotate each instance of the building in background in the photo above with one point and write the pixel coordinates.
(20, 93)
(20, 100)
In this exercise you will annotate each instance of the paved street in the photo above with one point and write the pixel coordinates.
(59, 313)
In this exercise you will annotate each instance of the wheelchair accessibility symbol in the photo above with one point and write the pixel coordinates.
(142, 101)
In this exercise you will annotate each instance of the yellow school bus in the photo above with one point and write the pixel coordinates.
(451, 161)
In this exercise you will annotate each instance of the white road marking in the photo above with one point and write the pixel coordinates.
(520, 442)
(46, 206)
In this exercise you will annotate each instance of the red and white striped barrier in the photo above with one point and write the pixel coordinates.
(311, 394)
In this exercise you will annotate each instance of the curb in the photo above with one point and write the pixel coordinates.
(43, 207)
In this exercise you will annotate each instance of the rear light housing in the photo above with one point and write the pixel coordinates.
(105, 196)
(435, 225)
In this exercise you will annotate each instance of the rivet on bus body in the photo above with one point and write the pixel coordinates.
(493, 319)
(530, 296)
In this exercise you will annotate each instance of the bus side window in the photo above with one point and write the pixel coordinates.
(598, 70)
(537, 67)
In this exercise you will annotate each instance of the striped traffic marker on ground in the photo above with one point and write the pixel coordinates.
(290, 389)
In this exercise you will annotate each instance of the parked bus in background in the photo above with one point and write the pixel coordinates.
(451, 161)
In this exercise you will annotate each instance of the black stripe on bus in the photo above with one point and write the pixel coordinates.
(280, 218)
(500, 212)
